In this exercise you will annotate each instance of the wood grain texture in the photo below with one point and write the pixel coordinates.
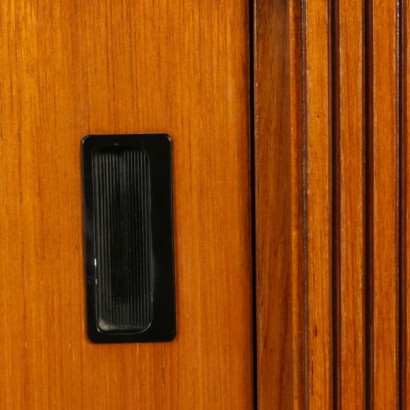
(70, 68)
(354, 203)
(349, 121)
(272, 190)
(318, 193)
(384, 197)
(279, 213)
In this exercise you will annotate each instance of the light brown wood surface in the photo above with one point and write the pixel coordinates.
(70, 68)
(350, 159)
(351, 207)
(384, 203)
(318, 204)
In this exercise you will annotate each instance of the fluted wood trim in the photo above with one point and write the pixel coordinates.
(332, 206)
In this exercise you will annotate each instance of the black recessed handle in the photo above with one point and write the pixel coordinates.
(128, 238)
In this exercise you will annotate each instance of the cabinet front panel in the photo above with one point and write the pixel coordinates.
(72, 68)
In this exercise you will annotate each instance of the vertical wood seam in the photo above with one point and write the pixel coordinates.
(368, 243)
(253, 184)
(402, 150)
(334, 44)
(305, 207)
(296, 124)
(399, 198)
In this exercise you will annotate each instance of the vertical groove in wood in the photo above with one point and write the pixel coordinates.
(349, 113)
(297, 273)
(337, 212)
(368, 102)
(318, 204)
(384, 200)
(405, 206)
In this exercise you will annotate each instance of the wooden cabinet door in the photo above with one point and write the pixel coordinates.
(72, 68)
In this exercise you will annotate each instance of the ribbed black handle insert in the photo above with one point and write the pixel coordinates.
(121, 191)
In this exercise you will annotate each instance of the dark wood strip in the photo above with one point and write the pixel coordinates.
(404, 207)
(368, 104)
(278, 205)
(273, 221)
(337, 211)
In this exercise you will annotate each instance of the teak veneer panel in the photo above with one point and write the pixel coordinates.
(72, 68)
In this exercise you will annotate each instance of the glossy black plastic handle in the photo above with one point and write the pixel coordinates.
(128, 232)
